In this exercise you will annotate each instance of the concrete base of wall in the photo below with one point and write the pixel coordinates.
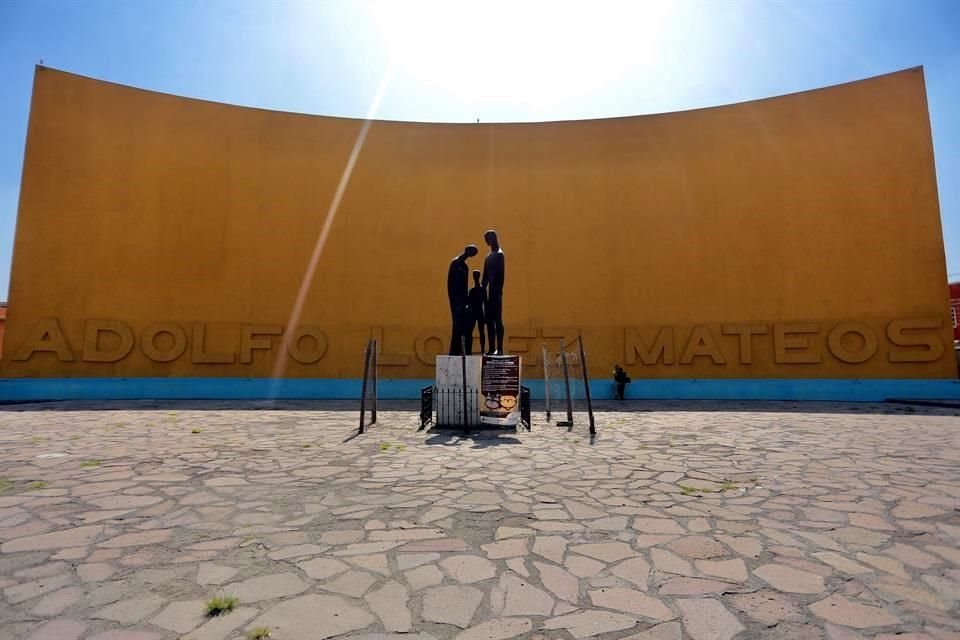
(39, 389)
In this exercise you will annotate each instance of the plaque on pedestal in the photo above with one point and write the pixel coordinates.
(500, 386)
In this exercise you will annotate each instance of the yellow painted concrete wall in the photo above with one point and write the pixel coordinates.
(805, 227)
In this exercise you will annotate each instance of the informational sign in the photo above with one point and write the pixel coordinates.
(500, 387)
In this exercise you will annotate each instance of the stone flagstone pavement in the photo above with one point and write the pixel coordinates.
(700, 521)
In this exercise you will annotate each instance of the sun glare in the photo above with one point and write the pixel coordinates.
(534, 53)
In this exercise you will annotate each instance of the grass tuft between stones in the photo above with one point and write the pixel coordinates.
(219, 605)
(5, 485)
(91, 463)
(258, 633)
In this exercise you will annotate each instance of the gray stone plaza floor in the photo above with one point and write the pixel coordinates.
(707, 521)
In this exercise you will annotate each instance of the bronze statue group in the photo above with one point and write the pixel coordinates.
(480, 306)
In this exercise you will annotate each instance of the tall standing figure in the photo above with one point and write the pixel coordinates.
(494, 268)
(458, 282)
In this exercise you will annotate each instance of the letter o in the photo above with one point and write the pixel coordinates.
(835, 342)
(420, 346)
(149, 337)
(307, 356)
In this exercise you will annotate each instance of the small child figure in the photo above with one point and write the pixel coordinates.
(621, 379)
(478, 299)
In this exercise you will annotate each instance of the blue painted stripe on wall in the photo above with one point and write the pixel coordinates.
(28, 389)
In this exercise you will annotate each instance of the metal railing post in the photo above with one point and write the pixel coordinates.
(363, 389)
(586, 385)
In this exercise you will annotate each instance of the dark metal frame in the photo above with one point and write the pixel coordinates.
(369, 360)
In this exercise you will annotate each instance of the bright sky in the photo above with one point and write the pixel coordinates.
(496, 61)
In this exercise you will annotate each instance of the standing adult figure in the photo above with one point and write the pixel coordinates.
(458, 283)
(494, 268)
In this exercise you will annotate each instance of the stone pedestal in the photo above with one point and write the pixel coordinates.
(448, 395)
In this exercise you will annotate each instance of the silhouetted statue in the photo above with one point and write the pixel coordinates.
(494, 268)
(478, 300)
(458, 281)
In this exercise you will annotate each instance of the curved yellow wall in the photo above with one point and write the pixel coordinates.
(794, 237)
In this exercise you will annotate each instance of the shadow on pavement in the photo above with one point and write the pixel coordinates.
(899, 407)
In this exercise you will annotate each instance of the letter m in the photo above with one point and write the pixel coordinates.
(662, 347)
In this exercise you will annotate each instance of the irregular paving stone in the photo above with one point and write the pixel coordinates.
(277, 585)
(75, 537)
(59, 630)
(658, 525)
(908, 509)
(94, 572)
(664, 631)
(550, 547)
(767, 606)
(707, 619)
(789, 579)
(441, 545)
(697, 547)
(209, 573)
(389, 603)
(313, 616)
(411, 560)
(563, 585)
(468, 569)
(890, 565)
(142, 538)
(497, 629)
(747, 547)
(693, 587)
(632, 602)
(586, 624)
(53, 604)
(131, 610)
(842, 563)
(840, 610)
(734, 570)
(605, 551)
(635, 570)
(670, 563)
(515, 596)
(583, 567)
(30, 590)
(912, 556)
(322, 568)
(451, 605)
(181, 616)
(297, 551)
(506, 548)
(124, 634)
(351, 583)
(377, 563)
(426, 576)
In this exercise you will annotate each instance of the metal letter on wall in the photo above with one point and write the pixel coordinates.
(249, 343)
(662, 347)
(933, 344)
(420, 346)
(746, 333)
(838, 349)
(92, 351)
(299, 348)
(46, 335)
(198, 353)
(148, 342)
(789, 348)
(702, 343)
